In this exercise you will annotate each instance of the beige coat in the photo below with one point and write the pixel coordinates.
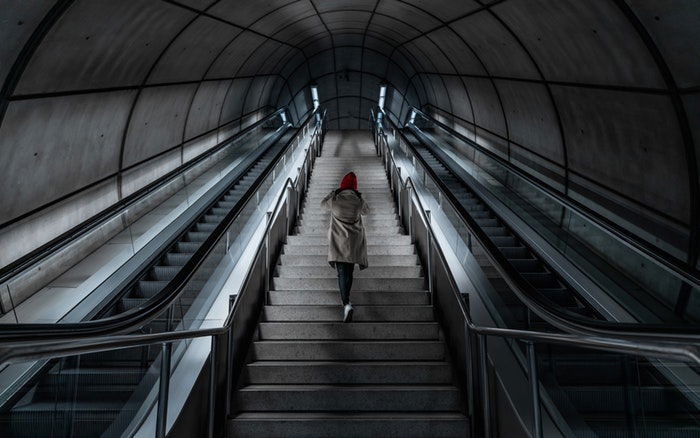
(346, 234)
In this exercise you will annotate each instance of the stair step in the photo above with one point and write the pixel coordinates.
(347, 331)
(358, 297)
(374, 260)
(368, 284)
(361, 398)
(349, 350)
(377, 240)
(348, 373)
(325, 271)
(371, 249)
(335, 313)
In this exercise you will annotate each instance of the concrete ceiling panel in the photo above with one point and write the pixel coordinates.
(233, 103)
(344, 5)
(586, 42)
(461, 105)
(322, 63)
(408, 14)
(348, 83)
(77, 144)
(299, 31)
(373, 62)
(157, 123)
(459, 54)
(16, 26)
(102, 44)
(346, 19)
(252, 99)
(382, 24)
(198, 4)
(431, 58)
(244, 12)
(294, 63)
(629, 143)
(370, 87)
(299, 79)
(378, 44)
(674, 24)
(193, 51)
(259, 60)
(206, 107)
(280, 18)
(692, 108)
(235, 55)
(446, 10)
(317, 44)
(532, 120)
(497, 48)
(487, 108)
(302, 102)
(348, 58)
(353, 39)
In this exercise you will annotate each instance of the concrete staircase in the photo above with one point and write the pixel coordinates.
(387, 373)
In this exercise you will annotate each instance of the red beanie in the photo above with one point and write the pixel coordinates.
(349, 182)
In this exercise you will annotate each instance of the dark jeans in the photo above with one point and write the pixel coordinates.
(345, 279)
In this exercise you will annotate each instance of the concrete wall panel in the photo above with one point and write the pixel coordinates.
(235, 55)
(157, 122)
(52, 147)
(575, 41)
(495, 46)
(102, 43)
(532, 120)
(193, 51)
(16, 26)
(629, 143)
(487, 107)
(206, 108)
(233, 104)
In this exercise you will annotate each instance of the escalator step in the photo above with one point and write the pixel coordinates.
(226, 204)
(526, 265)
(505, 241)
(516, 252)
(496, 231)
(559, 296)
(212, 218)
(148, 289)
(481, 214)
(130, 303)
(187, 247)
(165, 273)
(220, 211)
(205, 227)
(197, 236)
(487, 222)
(176, 259)
(542, 280)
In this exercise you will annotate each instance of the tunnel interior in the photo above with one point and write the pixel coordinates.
(599, 99)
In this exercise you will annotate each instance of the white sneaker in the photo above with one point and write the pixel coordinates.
(348, 313)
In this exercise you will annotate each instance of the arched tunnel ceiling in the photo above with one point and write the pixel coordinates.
(599, 98)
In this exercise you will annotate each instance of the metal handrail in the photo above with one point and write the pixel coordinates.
(611, 339)
(564, 320)
(660, 257)
(20, 351)
(139, 316)
(45, 250)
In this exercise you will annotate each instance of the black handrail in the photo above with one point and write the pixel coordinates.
(85, 227)
(539, 304)
(139, 316)
(665, 260)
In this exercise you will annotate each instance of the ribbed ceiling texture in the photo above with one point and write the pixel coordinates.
(599, 98)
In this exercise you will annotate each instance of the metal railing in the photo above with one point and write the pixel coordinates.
(470, 347)
(126, 321)
(228, 342)
(663, 259)
(562, 319)
(59, 242)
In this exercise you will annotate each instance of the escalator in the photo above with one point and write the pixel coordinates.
(599, 394)
(99, 394)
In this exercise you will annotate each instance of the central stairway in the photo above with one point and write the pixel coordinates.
(386, 374)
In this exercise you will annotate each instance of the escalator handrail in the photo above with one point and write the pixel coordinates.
(34, 257)
(542, 306)
(137, 317)
(22, 351)
(660, 257)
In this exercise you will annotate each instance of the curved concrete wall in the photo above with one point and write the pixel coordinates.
(601, 96)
